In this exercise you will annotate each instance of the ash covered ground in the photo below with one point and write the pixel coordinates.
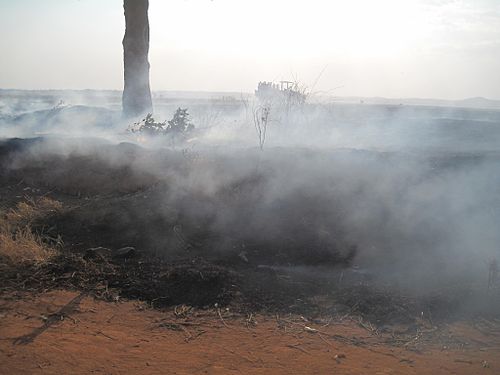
(386, 211)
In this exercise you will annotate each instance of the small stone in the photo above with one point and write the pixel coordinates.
(310, 330)
(125, 252)
(96, 253)
(243, 256)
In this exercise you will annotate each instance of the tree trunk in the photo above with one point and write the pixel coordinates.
(136, 99)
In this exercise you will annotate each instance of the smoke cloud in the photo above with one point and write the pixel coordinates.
(409, 194)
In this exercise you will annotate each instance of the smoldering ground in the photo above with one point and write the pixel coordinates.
(415, 217)
(390, 208)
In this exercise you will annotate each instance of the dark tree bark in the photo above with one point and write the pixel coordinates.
(136, 99)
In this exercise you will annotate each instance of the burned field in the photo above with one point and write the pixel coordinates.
(123, 226)
(210, 247)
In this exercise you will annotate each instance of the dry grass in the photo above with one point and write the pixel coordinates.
(24, 246)
(31, 211)
(18, 243)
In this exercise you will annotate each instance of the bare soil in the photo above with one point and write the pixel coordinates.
(93, 336)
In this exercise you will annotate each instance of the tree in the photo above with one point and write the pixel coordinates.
(136, 93)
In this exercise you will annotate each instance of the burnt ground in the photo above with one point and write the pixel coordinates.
(172, 260)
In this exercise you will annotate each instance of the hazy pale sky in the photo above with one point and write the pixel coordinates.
(393, 48)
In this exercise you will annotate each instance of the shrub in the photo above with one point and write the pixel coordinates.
(148, 126)
(180, 124)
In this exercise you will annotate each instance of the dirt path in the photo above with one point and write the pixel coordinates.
(61, 332)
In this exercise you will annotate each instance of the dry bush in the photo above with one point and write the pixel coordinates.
(18, 243)
(32, 211)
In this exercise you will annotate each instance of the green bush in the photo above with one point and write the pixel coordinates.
(180, 124)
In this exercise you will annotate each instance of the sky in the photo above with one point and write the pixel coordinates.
(448, 49)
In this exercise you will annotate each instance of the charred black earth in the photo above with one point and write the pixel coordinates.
(135, 224)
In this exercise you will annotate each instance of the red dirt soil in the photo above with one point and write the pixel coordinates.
(130, 338)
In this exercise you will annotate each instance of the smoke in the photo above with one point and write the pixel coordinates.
(408, 194)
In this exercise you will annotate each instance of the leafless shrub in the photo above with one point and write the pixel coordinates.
(260, 120)
(295, 97)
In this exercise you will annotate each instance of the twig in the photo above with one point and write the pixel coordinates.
(250, 320)
(102, 333)
(325, 340)
(222, 319)
(328, 323)
(110, 318)
(298, 348)
(463, 361)
(198, 334)
(168, 323)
